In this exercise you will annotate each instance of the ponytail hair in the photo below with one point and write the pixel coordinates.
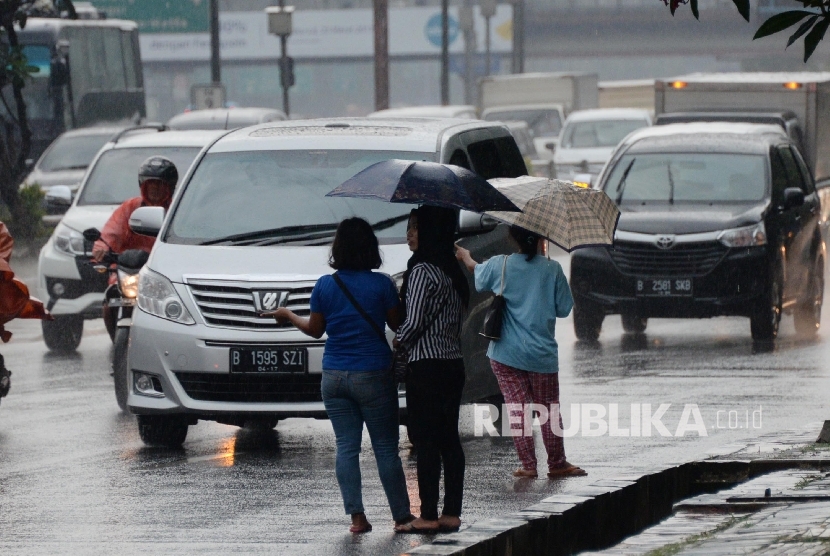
(528, 241)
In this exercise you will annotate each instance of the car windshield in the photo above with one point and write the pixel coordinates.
(271, 197)
(688, 177)
(73, 152)
(114, 178)
(543, 122)
(600, 133)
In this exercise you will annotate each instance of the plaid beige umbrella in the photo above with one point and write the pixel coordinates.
(569, 216)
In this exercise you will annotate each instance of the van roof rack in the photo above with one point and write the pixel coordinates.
(118, 136)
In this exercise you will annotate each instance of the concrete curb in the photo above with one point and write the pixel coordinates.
(601, 515)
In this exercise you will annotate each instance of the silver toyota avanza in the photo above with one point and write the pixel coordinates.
(250, 229)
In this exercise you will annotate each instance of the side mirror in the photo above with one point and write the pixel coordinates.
(147, 220)
(59, 195)
(29, 164)
(470, 223)
(584, 180)
(551, 146)
(92, 235)
(793, 197)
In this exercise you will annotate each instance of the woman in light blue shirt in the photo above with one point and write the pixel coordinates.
(526, 358)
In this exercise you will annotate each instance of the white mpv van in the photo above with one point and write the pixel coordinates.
(250, 229)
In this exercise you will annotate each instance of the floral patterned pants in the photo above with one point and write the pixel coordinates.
(523, 388)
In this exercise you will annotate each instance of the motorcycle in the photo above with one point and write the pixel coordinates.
(119, 302)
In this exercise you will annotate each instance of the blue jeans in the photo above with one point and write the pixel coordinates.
(354, 398)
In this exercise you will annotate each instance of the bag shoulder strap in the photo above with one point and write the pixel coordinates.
(360, 309)
(503, 268)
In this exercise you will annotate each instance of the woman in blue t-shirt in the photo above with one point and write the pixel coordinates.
(525, 359)
(357, 385)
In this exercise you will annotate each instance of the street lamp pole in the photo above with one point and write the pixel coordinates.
(518, 65)
(445, 52)
(381, 23)
(488, 10)
(466, 22)
(279, 23)
(215, 63)
(283, 56)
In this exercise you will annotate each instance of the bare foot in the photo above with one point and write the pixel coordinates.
(360, 524)
(418, 525)
(449, 523)
(567, 470)
(525, 473)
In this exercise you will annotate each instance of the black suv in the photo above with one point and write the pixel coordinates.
(717, 219)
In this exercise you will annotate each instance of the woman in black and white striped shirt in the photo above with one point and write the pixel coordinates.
(435, 293)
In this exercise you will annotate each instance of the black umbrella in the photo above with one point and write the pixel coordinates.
(427, 183)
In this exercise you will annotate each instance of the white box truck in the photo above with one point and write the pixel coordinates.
(629, 93)
(799, 102)
(543, 100)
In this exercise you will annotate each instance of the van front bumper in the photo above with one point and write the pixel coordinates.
(729, 288)
(191, 366)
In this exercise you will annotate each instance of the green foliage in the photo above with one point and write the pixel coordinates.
(26, 226)
(781, 21)
(815, 27)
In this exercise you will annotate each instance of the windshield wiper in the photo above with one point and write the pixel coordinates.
(621, 185)
(263, 234)
(317, 235)
(389, 222)
(74, 167)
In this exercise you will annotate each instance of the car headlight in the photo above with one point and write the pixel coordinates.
(128, 284)
(68, 241)
(157, 296)
(748, 236)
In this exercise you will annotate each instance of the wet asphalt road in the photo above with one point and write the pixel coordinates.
(76, 479)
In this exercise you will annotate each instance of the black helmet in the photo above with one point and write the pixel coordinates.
(160, 168)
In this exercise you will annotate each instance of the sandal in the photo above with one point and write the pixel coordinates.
(568, 470)
(411, 528)
(357, 529)
(525, 473)
(363, 527)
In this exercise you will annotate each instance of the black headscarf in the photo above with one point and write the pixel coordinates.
(436, 237)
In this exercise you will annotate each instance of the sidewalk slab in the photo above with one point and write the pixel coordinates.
(769, 496)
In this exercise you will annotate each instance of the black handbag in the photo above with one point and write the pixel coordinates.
(400, 356)
(494, 316)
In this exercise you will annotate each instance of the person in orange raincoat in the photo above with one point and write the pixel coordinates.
(157, 179)
(15, 302)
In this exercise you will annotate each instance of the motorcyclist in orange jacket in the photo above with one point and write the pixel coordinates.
(157, 179)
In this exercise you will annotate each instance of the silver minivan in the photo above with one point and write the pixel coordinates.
(249, 230)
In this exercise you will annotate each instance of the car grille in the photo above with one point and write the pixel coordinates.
(231, 304)
(251, 388)
(685, 259)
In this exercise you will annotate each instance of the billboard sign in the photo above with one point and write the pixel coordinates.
(160, 16)
(328, 34)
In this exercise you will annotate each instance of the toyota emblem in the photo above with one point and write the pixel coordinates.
(269, 300)
(664, 242)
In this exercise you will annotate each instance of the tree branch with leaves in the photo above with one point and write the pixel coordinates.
(15, 135)
(814, 18)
